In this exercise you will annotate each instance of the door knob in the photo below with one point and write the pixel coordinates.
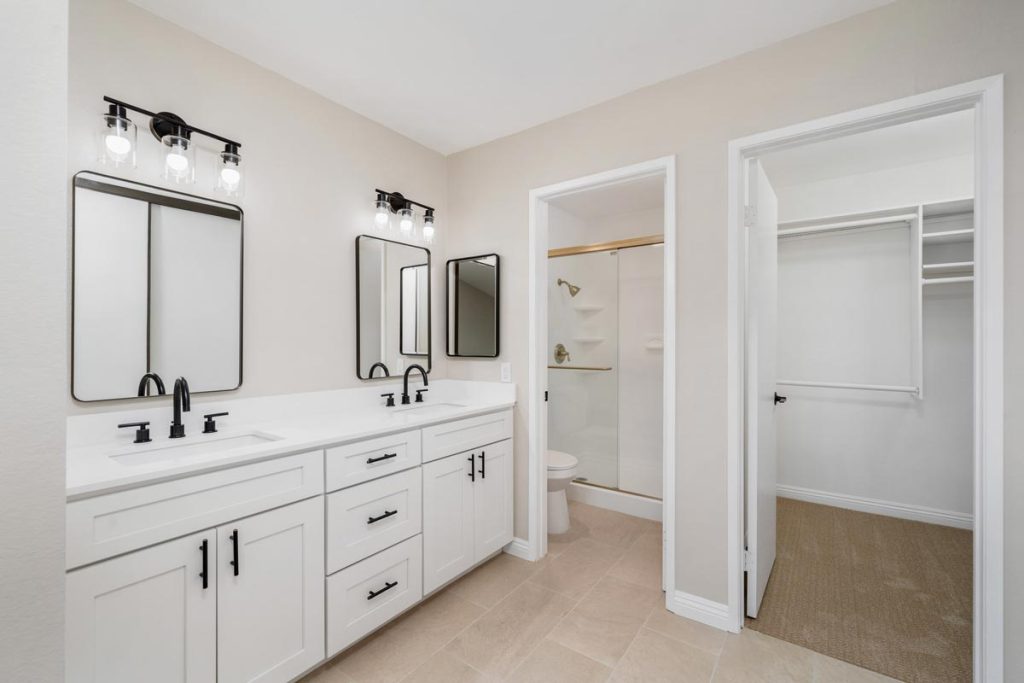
(779, 399)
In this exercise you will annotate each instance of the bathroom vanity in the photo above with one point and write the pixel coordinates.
(302, 525)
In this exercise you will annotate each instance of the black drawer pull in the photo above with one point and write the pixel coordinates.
(388, 585)
(387, 513)
(205, 573)
(483, 465)
(472, 466)
(234, 550)
(386, 456)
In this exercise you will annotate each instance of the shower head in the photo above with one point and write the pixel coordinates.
(573, 289)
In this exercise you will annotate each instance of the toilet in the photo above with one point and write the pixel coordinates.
(561, 472)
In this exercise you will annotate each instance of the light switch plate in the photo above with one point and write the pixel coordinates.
(506, 372)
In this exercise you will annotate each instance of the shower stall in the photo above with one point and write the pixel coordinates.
(605, 364)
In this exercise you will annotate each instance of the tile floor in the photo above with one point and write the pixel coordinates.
(590, 611)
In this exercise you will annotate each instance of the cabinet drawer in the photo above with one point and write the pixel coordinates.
(356, 604)
(367, 518)
(354, 463)
(463, 435)
(115, 523)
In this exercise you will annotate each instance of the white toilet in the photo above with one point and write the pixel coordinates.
(561, 472)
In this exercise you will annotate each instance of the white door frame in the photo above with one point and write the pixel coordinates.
(985, 97)
(537, 542)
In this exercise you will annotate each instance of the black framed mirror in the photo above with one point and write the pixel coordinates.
(473, 293)
(156, 290)
(393, 321)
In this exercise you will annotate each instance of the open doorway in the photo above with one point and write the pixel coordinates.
(602, 390)
(870, 274)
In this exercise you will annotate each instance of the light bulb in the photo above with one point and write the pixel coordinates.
(118, 146)
(383, 213)
(230, 177)
(230, 174)
(177, 161)
(428, 226)
(405, 220)
(117, 139)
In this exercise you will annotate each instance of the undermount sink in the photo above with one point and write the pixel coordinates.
(203, 445)
(430, 408)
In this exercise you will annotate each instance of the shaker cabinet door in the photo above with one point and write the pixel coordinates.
(447, 520)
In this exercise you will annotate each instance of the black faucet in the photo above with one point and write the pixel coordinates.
(182, 402)
(405, 384)
(380, 365)
(144, 384)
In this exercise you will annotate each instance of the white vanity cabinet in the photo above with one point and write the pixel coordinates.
(178, 611)
(467, 510)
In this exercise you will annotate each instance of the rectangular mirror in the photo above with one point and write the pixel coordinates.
(392, 307)
(473, 307)
(157, 288)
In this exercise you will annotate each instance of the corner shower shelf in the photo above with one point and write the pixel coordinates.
(655, 345)
(588, 340)
(577, 367)
(588, 308)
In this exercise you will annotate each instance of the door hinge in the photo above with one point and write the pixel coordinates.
(749, 216)
(748, 560)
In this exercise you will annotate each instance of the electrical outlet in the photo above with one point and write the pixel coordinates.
(506, 372)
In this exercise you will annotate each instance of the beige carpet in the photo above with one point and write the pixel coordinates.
(886, 594)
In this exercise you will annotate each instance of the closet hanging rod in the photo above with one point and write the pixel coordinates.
(847, 225)
(842, 385)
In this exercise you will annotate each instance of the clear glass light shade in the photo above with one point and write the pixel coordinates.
(179, 159)
(428, 228)
(383, 214)
(405, 220)
(117, 138)
(230, 175)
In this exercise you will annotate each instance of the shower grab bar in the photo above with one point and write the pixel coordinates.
(843, 385)
(577, 367)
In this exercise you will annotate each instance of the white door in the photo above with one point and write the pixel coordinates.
(492, 498)
(447, 519)
(147, 616)
(762, 286)
(270, 624)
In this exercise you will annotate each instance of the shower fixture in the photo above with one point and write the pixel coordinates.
(573, 289)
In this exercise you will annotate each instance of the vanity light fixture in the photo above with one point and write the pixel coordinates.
(118, 145)
(395, 202)
(117, 138)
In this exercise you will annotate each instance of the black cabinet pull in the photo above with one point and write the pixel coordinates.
(779, 399)
(205, 573)
(483, 465)
(388, 585)
(472, 467)
(386, 456)
(234, 550)
(387, 513)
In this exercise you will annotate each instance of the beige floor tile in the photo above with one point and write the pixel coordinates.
(404, 644)
(576, 570)
(490, 583)
(552, 663)
(327, 674)
(641, 564)
(499, 641)
(608, 526)
(559, 542)
(686, 630)
(829, 670)
(750, 656)
(653, 658)
(445, 667)
(606, 620)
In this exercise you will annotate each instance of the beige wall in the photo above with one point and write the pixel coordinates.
(904, 48)
(33, 345)
(312, 166)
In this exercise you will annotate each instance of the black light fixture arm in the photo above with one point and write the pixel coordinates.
(176, 123)
(400, 201)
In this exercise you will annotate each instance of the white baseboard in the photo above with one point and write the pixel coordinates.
(519, 548)
(917, 513)
(715, 614)
(619, 501)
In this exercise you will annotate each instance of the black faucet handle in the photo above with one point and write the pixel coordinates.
(390, 396)
(210, 426)
(141, 434)
(419, 395)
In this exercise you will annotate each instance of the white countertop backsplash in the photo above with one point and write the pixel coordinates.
(301, 421)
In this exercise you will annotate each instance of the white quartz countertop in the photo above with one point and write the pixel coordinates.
(253, 434)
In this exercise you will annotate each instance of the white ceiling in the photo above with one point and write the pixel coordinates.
(453, 74)
(630, 196)
(916, 142)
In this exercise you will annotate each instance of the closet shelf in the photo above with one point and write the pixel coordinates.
(948, 268)
(948, 236)
(946, 280)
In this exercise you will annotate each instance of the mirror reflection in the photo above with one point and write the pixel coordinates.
(157, 291)
(473, 307)
(392, 307)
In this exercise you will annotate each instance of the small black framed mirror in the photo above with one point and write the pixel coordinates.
(393, 321)
(474, 289)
